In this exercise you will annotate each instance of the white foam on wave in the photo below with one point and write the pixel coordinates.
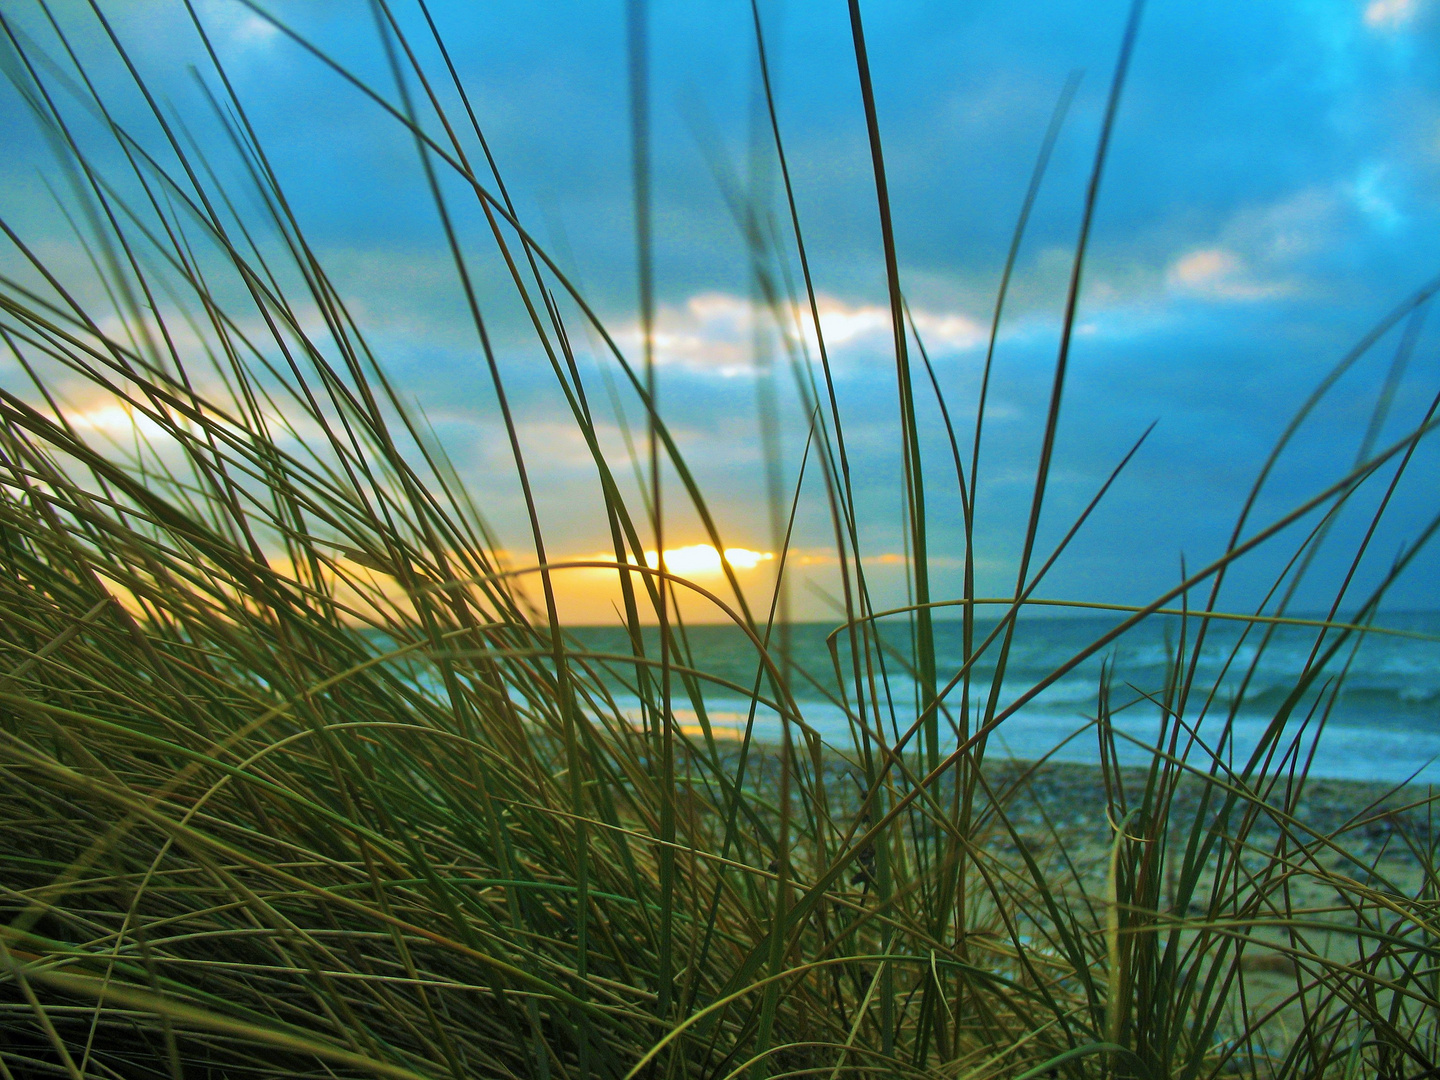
(1373, 753)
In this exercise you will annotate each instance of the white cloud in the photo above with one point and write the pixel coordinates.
(870, 325)
(713, 332)
(1390, 14)
(955, 333)
(1217, 273)
(1372, 198)
(1288, 230)
(242, 26)
(1262, 252)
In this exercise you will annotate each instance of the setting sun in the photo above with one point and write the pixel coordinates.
(704, 559)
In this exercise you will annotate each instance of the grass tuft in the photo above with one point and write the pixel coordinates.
(297, 779)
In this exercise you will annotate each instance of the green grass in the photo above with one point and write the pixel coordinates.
(302, 778)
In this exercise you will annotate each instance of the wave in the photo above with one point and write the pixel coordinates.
(1339, 752)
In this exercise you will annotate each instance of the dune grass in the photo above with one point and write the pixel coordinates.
(303, 777)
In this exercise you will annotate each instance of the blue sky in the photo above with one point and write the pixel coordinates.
(1273, 189)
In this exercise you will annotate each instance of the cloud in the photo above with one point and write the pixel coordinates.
(953, 333)
(1267, 251)
(1292, 228)
(240, 25)
(1372, 198)
(709, 332)
(712, 332)
(1390, 14)
(1217, 273)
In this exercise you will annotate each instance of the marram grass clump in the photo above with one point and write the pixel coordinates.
(302, 776)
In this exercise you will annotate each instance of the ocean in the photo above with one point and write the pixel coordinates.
(1375, 706)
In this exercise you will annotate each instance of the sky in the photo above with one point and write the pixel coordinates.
(1272, 192)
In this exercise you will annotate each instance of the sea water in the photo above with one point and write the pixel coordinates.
(1370, 711)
